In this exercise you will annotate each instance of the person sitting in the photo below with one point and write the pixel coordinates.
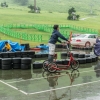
(7, 47)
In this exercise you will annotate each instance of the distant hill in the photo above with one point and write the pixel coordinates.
(64, 5)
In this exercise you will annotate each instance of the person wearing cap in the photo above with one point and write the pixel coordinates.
(53, 40)
(7, 47)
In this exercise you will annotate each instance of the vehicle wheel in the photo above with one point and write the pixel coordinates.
(4, 55)
(75, 64)
(44, 55)
(75, 55)
(87, 55)
(16, 60)
(37, 65)
(25, 66)
(38, 55)
(6, 67)
(87, 44)
(18, 54)
(16, 66)
(26, 60)
(50, 67)
(58, 61)
(6, 61)
(45, 64)
(89, 60)
(63, 54)
(82, 60)
(11, 54)
(81, 56)
(93, 59)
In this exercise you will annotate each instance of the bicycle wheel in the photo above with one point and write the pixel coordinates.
(75, 64)
(52, 67)
(45, 64)
(45, 74)
(75, 73)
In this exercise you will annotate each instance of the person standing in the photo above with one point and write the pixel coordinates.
(53, 40)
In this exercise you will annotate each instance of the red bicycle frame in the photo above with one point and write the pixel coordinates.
(56, 67)
(64, 66)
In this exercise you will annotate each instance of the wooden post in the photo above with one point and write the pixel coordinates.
(98, 32)
(70, 37)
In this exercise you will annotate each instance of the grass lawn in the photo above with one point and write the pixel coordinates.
(17, 16)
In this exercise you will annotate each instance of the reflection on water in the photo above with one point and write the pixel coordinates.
(2, 95)
(52, 79)
(43, 52)
(83, 51)
(97, 69)
(62, 49)
(87, 78)
(15, 74)
(37, 73)
(88, 65)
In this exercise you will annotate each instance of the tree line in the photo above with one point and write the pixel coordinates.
(21, 2)
(34, 9)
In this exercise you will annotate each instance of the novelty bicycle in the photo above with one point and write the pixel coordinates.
(53, 66)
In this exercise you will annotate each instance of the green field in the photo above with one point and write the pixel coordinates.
(58, 5)
(19, 15)
(15, 16)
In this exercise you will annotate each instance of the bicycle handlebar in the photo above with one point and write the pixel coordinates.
(66, 44)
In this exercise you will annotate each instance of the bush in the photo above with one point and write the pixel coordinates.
(72, 14)
(4, 4)
(50, 11)
(31, 11)
(70, 17)
(34, 9)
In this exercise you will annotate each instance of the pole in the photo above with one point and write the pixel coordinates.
(35, 5)
(70, 37)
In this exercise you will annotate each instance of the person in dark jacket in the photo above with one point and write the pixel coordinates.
(53, 40)
(97, 46)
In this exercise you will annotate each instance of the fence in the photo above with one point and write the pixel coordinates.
(20, 35)
(6, 29)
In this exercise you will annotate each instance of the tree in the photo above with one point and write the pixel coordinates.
(34, 9)
(4, 4)
(71, 10)
(77, 16)
(31, 8)
(72, 14)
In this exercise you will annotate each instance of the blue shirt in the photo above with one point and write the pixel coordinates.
(54, 37)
